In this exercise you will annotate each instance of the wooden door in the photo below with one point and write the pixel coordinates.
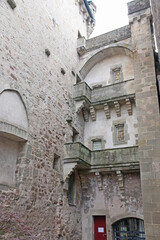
(100, 228)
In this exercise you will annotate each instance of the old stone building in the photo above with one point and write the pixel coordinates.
(79, 121)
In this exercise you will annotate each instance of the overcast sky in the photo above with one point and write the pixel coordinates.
(111, 14)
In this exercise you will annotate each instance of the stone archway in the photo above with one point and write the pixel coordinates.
(13, 132)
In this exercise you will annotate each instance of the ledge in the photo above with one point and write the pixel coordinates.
(13, 132)
(108, 38)
(137, 5)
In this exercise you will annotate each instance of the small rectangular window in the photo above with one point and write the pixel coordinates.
(71, 190)
(75, 135)
(97, 145)
(117, 75)
(56, 162)
(120, 138)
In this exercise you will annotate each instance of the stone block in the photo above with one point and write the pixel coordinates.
(156, 217)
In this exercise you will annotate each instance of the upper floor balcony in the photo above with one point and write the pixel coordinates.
(108, 160)
(104, 94)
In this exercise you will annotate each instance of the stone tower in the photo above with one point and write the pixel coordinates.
(39, 63)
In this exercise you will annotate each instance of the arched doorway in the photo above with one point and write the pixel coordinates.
(129, 229)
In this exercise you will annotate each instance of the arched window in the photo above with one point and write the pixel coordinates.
(129, 229)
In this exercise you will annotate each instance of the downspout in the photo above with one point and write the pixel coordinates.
(88, 9)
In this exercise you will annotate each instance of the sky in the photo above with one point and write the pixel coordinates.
(110, 15)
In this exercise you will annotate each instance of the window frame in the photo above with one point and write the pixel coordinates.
(71, 193)
(95, 141)
(115, 135)
(115, 69)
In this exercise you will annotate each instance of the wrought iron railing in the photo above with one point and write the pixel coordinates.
(129, 235)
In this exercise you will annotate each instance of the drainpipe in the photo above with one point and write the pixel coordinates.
(88, 9)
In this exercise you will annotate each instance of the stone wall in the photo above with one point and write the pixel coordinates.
(148, 118)
(101, 73)
(29, 33)
(136, 6)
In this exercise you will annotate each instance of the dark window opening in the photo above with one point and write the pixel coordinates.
(79, 34)
(71, 189)
(63, 71)
(56, 162)
(97, 145)
(73, 73)
(75, 135)
(129, 229)
(78, 79)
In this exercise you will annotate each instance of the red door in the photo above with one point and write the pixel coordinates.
(100, 228)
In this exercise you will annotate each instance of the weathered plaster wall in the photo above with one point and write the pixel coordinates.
(118, 37)
(101, 73)
(103, 128)
(8, 158)
(13, 110)
(111, 201)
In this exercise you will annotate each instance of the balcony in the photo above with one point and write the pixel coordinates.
(82, 92)
(115, 159)
(105, 94)
(118, 159)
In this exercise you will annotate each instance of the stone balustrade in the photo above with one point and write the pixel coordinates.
(104, 94)
(79, 156)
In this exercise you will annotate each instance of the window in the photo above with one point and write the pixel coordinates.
(75, 135)
(120, 137)
(120, 132)
(116, 72)
(71, 189)
(129, 228)
(97, 145)
(56, 162)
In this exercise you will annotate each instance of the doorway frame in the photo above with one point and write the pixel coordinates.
(90, 229)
